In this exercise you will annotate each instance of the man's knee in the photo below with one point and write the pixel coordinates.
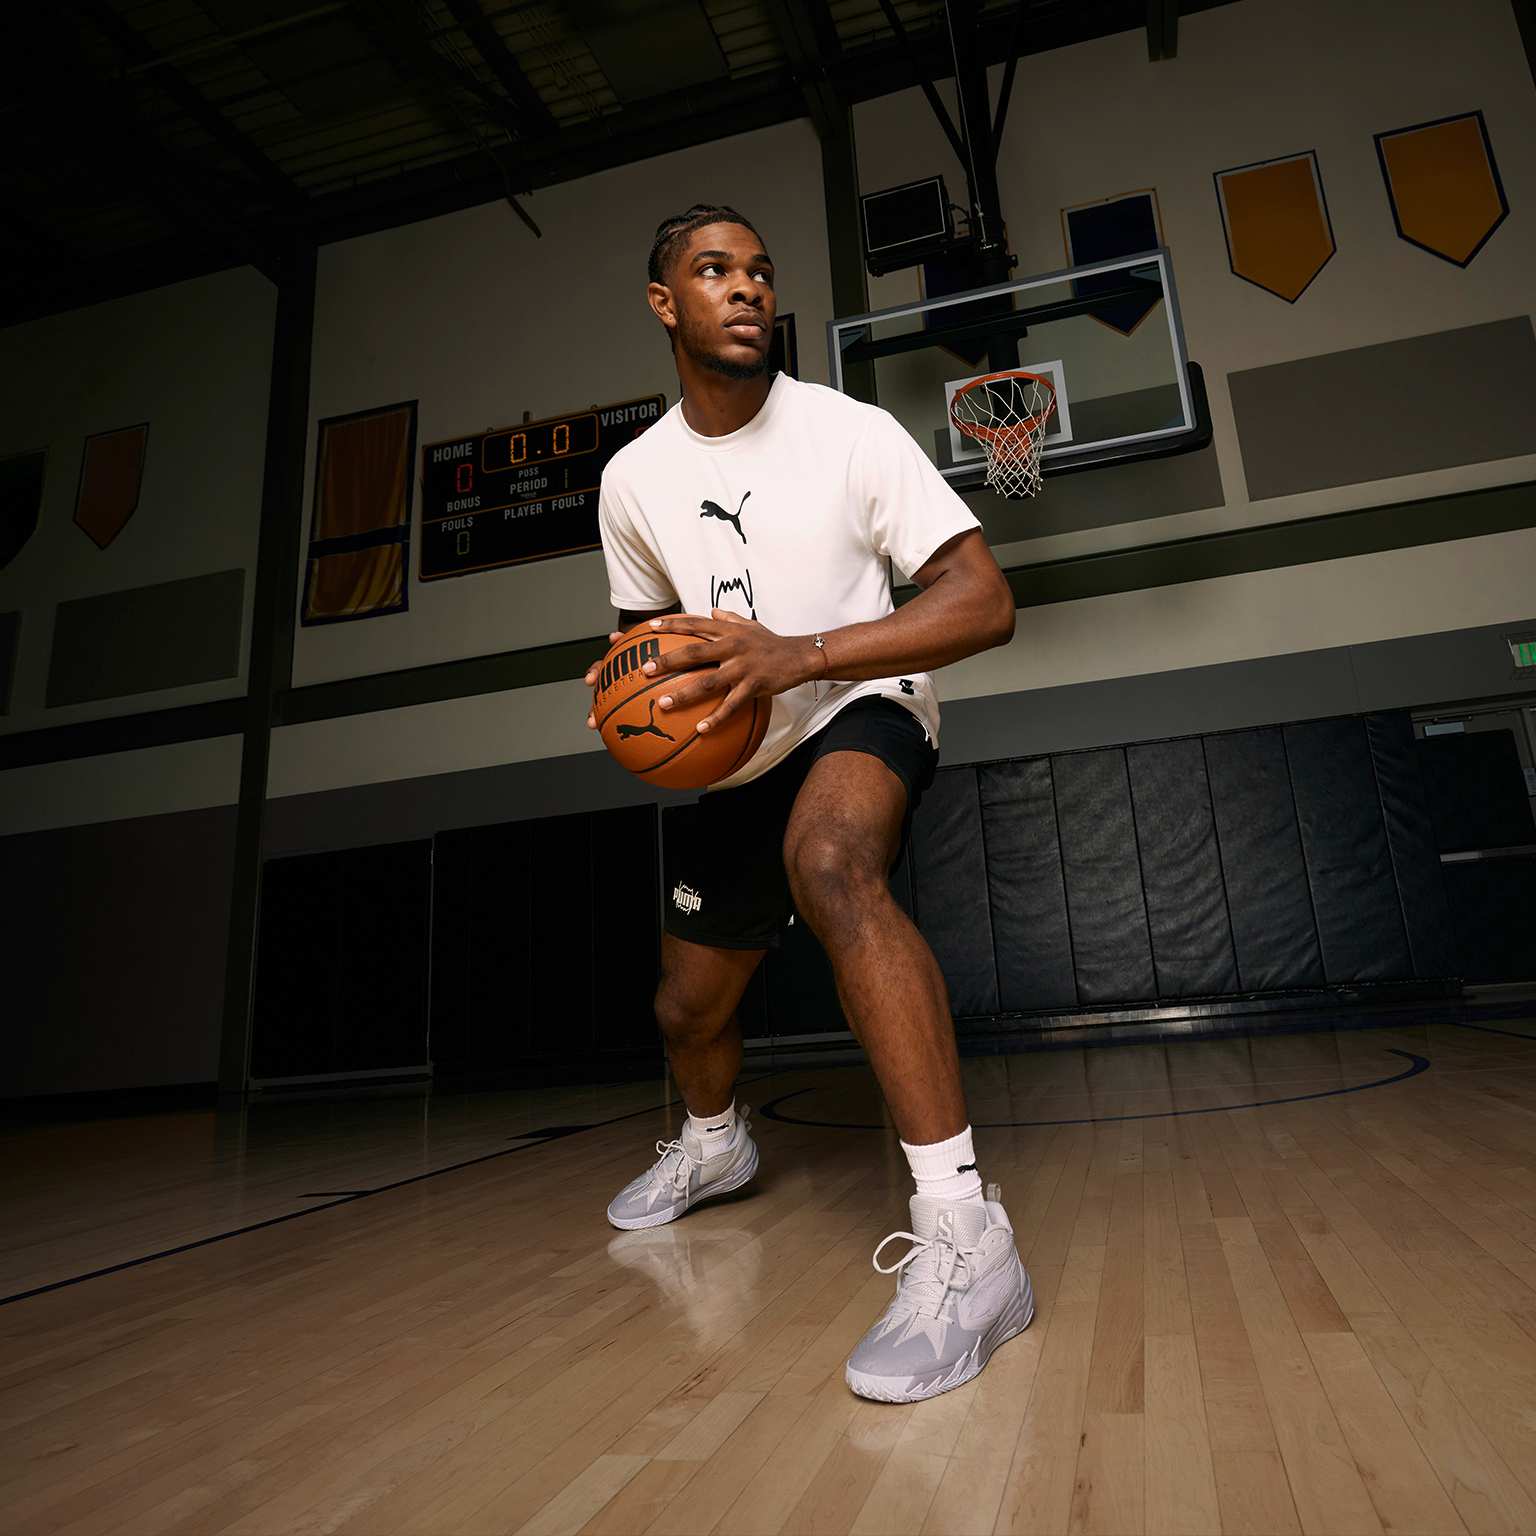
(685, 1018)
(831, 881)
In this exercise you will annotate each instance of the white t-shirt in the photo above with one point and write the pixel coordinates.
(794, 519)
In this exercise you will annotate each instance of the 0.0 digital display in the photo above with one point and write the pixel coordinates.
(539, 442)
(529, 492)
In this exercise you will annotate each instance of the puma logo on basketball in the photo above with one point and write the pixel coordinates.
(686, 899)
(907, 686)
(718, 589)
(630, 659)
(711, 509)
(626, 731)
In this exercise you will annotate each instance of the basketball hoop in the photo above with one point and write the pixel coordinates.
(1007, 414)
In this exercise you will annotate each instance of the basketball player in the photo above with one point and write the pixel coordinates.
(761, 516)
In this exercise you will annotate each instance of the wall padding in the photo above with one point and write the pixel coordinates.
(1354, 890)
(949, 884)
(1411, 843)
(1024, 884)
(1273, 929)
(1110, 943)
(1181, 870)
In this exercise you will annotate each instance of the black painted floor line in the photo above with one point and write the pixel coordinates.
(330, 1205)
(1488, 1029)
(769, 1111)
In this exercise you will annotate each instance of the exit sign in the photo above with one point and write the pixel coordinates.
(1522, 651)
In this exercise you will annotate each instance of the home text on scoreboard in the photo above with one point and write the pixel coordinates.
(521, 493)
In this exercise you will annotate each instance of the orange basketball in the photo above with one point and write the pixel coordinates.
(662, 746)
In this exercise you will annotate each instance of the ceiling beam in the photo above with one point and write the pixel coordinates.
(96, 116)
(918, 59)
(1005, 94)
(137, 51)
(809, 39)
(880, 71)
(66, 285)
(16, 226)
(678, 120)
(1525, 20)
(980, 160)
(696, 115)
(491, 46)
(1162, 29)
(396, 30)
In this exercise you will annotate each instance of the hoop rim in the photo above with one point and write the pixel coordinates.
(1005, 373)
(981, 432)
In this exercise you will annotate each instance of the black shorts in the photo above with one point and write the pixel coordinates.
(725, 880)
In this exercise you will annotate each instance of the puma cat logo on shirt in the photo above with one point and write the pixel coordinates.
(713, 509)
(843, 502)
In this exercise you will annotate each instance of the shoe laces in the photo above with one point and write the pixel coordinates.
(676, 1173)
(928, 1272)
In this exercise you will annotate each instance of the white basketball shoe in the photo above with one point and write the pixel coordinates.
(961, 1291)
(682, 1176)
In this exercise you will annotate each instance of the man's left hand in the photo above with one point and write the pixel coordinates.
(738, 658)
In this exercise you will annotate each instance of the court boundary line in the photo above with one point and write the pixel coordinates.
(333, 1204)
(1417, 1065)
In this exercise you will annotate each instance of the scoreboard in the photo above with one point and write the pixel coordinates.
(521, 493)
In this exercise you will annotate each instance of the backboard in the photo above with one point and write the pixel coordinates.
(1108, 336)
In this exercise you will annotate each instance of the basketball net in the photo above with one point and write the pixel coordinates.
(1007, 414)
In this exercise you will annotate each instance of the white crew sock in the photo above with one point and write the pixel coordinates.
(713, 1133)
(946, 1170)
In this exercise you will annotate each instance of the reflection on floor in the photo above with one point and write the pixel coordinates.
(82, 1197)
(1316, 1311)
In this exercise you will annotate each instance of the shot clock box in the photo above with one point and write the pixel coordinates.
(521, 493)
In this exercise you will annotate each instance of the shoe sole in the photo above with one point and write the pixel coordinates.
(882, 1389)
(661, 1218)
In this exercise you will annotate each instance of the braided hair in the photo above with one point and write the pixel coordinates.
(671, 233)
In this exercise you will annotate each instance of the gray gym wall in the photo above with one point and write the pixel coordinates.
(1260, 580)
(158, 618)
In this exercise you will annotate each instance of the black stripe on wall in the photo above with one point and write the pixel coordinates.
(1300, 542)
(95, 738)
(1501, 509)
(1305, 541)
(1120, 493)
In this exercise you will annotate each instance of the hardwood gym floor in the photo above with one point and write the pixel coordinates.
(1317, 1314)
